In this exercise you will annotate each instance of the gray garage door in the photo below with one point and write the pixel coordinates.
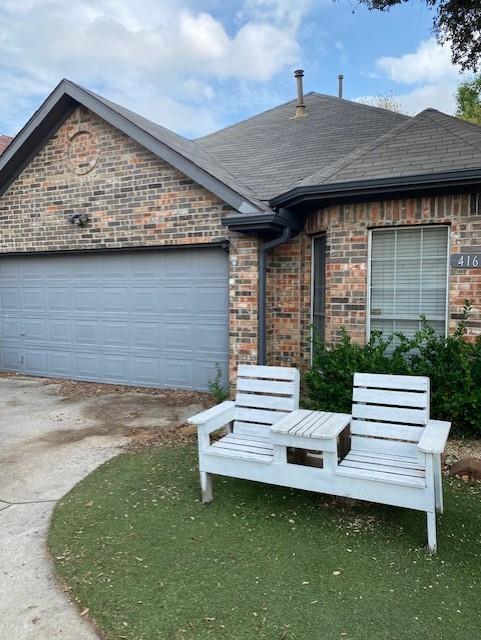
(153, 318)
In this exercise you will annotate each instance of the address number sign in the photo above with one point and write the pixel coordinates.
(466, 261)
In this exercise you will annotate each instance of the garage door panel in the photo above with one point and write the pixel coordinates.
(177, 300)
(85, 299)
(115, 334)
(178, 270)
(148, 318)
(86, 365)
(35, 361)
(114, 299)
(178, 373)
(12, 358)
(33, 298)
(86, 332)
(86, 267)
(10, 271)
(59, 330)
(145, 335)
(11, 329)
(145, 370)
(36, 329)
(10, 299)
(144, 300)
(179, 337)
(59, 299)
(210, 300)
(209, 337)
(116, 368)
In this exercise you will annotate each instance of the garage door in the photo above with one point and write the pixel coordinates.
(153, 318)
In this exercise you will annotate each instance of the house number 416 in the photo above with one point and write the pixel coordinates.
(466, 261)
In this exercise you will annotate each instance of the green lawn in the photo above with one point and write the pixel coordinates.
(150, 562)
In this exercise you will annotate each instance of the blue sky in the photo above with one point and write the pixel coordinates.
(197, 65)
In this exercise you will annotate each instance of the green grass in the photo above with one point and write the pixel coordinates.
(150, 562)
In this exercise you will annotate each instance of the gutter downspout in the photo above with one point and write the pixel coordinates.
(264, 248)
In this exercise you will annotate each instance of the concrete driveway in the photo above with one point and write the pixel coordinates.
(52, 435)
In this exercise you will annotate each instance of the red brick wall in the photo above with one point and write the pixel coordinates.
(132, 199)
(346, 228)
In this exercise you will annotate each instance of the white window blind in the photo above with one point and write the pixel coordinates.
(408, 278)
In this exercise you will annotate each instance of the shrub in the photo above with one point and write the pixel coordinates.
(452, 363)
(215, 386)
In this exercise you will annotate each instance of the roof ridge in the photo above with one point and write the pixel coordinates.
(451, 130)
(357, 153)
(362, 104)
(309, 93)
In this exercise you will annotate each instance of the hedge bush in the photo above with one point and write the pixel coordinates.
(452, 363)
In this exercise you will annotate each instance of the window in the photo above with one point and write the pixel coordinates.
(319, 284)
(408, 278)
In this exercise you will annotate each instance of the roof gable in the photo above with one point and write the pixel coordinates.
(431, 142)
(177, 151)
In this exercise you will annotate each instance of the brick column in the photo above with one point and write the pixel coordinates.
(243, 303)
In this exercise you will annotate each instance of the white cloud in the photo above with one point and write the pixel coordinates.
(155, 56)
(429, 63)
(424, 78)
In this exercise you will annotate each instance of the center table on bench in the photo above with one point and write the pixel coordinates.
(310, 431)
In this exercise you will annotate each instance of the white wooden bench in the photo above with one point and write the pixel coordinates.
(394, 443)
(395, 448)
(264, 396)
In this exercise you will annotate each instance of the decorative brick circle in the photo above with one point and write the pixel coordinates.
(83, 152)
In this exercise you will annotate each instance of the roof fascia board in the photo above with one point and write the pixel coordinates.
(172, 157)
(265, 222)
(379, 187)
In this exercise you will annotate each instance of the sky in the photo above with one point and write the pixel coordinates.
(195, 66)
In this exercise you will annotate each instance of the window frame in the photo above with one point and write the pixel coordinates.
(369, 268)
(313, 266)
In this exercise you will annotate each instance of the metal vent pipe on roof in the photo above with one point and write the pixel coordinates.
(300, 106)
(340, 78)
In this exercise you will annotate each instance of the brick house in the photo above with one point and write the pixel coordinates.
(133, 255)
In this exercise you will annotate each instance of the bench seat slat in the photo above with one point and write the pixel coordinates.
(390, 478)
(386, 468)
(386, 460)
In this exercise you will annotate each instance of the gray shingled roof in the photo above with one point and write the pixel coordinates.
(270, 152)
(268, 155)
(431, 142)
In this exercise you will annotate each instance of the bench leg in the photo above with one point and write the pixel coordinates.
(431, 521)
(438, 483)
(206, 486)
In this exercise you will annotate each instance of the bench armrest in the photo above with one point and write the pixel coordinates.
(215, 417)
(434, 437)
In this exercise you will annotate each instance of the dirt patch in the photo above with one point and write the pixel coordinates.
(75, 390)
(79, 390)
(137, 416)
(457, 449)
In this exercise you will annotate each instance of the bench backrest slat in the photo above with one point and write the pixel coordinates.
(389, 411)
(264, 396)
